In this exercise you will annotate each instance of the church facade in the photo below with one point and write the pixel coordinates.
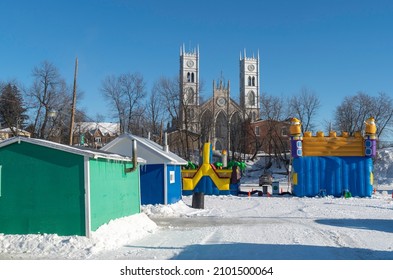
(219, 119)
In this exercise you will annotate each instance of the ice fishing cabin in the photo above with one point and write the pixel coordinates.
(161, 181)
(46, 187)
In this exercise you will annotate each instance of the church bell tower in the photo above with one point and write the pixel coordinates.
(189, 89)
(249, 86)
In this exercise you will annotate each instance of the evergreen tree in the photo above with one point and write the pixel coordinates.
(12, 110)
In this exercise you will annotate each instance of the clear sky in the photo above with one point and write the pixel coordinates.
(333, 47)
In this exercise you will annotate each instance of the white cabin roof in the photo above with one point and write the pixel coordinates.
(152, 152)
(69, 149)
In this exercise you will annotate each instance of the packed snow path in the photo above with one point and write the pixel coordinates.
(267, 228)
(230, 227)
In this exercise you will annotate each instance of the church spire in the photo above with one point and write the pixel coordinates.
(249, 85)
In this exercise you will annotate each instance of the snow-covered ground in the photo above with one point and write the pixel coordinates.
(230, 227)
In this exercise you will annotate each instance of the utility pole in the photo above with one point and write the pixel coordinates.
(73, 102)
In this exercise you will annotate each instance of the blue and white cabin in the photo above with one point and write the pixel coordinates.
(161, 181)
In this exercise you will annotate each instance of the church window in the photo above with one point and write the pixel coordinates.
(253, 81)
(190, 114)
(192, 77)
(257, 130)
(188, 77)
(221, 124)
(189, 96)
(249, 80)
(251, 98)
(206, 126)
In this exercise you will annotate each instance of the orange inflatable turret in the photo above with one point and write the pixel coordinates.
(371, 128)
(295, 129)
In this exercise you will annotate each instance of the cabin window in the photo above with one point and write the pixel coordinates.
(172, 177)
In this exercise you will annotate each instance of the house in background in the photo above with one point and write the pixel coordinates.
(6, 133)
(269, 136)
(95, 134)
(161, 181)
(46, 187)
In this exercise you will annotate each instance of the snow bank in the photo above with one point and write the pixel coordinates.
(179, 209)
(110, 236)
(122, 231)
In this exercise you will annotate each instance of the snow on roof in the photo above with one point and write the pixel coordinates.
(149, 150)
(107, 128)
(69, 149)
(8, 130)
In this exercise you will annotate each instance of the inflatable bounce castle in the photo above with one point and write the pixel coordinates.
(209, 179)
(332, 165)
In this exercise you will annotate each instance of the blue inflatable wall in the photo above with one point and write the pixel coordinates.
(333, 176)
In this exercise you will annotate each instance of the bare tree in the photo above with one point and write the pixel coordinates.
(383, 113)
(180, 113)
(111, 90)
(274, 115)
(304, 107)
(125, 94)
(168, 91)
(133, 87)
(351, 114)
(139, 124)
(99, 118)
(273, 108)
(48, 92)
(155, 113)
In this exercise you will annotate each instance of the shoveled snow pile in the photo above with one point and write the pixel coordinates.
(179, 209)
(51, 246)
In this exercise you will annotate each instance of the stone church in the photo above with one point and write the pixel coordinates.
(219, 119)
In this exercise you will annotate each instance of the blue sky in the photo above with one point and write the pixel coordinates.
(335, 48)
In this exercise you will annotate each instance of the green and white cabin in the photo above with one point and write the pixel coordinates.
(46, 187)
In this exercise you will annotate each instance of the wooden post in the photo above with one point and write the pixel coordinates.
(73, 103)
